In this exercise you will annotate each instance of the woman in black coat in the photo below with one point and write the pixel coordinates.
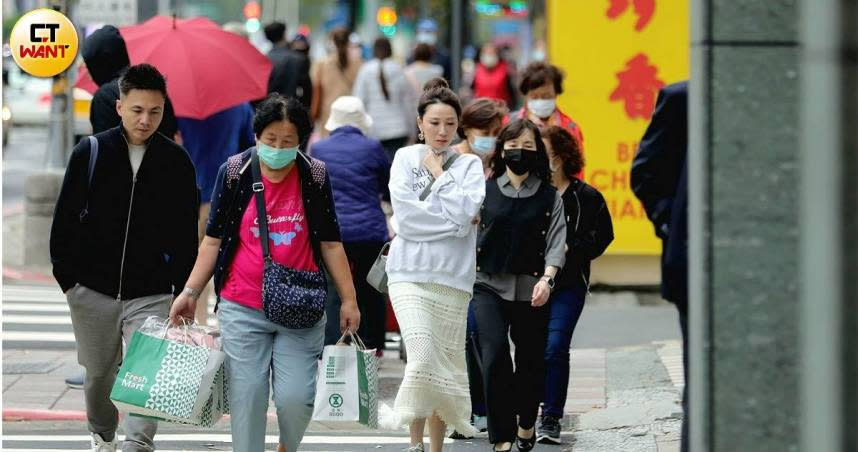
(588, 234)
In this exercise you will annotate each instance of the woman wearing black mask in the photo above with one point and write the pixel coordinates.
(520, 249)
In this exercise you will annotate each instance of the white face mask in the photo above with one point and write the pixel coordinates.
(542, 108)
(427, 37)
(489, 60)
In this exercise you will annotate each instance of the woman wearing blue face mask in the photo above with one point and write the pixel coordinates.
(541, 83)
(303, 237)
(482, 119)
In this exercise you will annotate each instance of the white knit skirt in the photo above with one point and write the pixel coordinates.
(432, 319)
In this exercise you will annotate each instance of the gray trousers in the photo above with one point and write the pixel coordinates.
(100, 324)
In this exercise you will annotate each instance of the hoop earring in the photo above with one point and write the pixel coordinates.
(420, 136)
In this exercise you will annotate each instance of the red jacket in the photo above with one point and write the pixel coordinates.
(494, 83)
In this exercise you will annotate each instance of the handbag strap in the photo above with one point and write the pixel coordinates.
(259, 194)
(445, 167)
(384, 249)
(93, 157)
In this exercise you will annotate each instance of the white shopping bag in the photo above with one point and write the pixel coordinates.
(347, 385)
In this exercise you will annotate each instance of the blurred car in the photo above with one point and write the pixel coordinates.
(30, 99)
(7, 122)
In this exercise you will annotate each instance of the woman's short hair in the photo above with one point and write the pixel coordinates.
(567, 148)
(539, 73)
(423, 52)
(277, 108)
(514, 130)
(483, 112)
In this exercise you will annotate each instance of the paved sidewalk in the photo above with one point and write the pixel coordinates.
(13, 251)
(620, 399)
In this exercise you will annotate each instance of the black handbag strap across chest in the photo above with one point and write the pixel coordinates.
(259, 195)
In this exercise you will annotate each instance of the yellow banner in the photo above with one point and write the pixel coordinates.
(616, 55)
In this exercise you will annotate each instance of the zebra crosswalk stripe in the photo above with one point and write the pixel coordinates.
(35, 316)
(196, 441)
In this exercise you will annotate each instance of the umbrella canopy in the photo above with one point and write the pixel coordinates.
(207, 69)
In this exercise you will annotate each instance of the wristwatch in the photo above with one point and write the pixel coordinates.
(550, 280)
(193, 293)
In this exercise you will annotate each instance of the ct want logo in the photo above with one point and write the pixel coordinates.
(335, 400)
(44, 42)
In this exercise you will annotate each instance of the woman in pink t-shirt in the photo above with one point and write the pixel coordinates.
(303, 236)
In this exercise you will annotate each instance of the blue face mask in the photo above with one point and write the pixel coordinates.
(483, 145)
(275, 158)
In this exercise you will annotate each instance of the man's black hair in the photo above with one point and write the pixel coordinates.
(275, 32)
(142, 76)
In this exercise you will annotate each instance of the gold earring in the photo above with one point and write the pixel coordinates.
(420, 136)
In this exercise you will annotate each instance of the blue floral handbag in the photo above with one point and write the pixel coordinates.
(292, 298)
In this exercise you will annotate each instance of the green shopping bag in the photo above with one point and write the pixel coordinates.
(166, 379)
(347, 386)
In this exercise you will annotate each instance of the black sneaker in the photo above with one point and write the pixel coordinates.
(75, 381)
(549, 430)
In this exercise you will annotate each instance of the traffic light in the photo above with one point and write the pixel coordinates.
(386, 19)
(252, 12)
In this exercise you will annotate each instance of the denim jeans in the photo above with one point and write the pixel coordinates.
(566, 306)
(472, 358)
(260, 353)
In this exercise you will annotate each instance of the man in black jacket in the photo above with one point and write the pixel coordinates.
(290, 74)
(106, 57)
(660, 181)
(123, 242)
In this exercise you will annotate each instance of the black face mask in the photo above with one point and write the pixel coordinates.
(519, 161)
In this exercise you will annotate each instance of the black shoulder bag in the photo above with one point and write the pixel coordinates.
(290, 297)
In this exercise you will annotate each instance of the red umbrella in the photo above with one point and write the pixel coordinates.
(207, 69)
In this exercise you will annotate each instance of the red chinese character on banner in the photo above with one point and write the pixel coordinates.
(643, 8)
(638, 87)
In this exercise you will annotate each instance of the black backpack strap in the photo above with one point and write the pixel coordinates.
(93, 157)
(445, 167)
(259, 194)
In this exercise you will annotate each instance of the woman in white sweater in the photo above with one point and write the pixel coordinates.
(389, 98)
(436, 195)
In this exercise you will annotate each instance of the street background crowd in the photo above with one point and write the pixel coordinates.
(363, 97)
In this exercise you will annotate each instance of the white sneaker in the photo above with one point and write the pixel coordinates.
(100, 445)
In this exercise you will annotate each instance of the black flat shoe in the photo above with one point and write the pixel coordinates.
(525, 444)
(495, 449)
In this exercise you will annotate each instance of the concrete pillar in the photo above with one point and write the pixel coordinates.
(829, 225)
(744, 226)
(41, 192)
